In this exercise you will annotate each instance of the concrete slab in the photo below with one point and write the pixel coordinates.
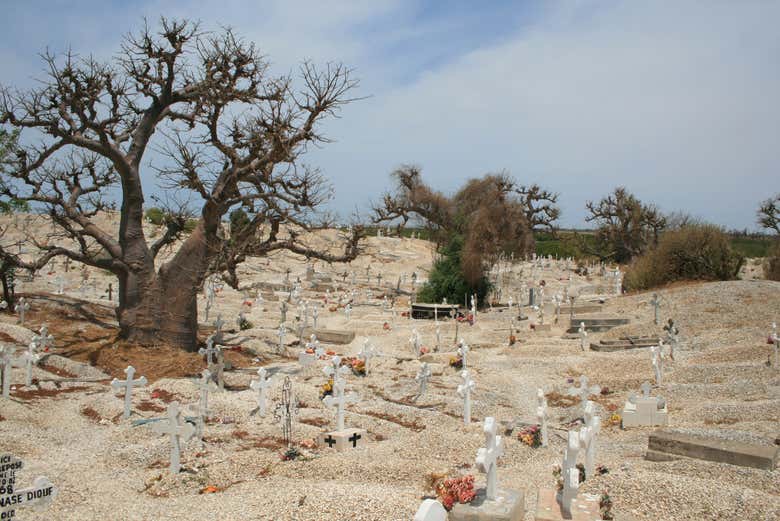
(585, 507)
(713, 449)
(508, 506)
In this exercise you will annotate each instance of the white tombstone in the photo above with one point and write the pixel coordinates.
(177, 430)
(39, 495)
(128, 384)
(645, 410)
(464, 390)
(422, 377)
(583, 391)
(583, 335)
(487, 456)
(414, 340)
(339, 400)
(22, 307)
(430, 510)
(260, 386)
(541, 415)
(463, 351)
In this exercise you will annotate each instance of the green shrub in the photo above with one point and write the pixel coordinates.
(772, 263)
(190, 225)
(692, 252)
(447, 280)
(155, 216)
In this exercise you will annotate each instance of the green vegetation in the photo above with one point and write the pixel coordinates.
(751, 246)
(692, 252)
(447, 280)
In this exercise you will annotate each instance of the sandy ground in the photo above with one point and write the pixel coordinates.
(107, 469)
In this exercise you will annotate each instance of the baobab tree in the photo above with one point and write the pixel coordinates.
(229, 135)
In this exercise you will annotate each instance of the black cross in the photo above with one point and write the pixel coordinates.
(354, 439)
(330, 441)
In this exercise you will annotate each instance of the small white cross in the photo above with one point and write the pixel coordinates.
(541, 415)
(128, 384)
(415, 341)
(203, 405)
(463, 351)
(209, 350)
(339, 400)
(22, 307)
(583, 335)
(646, 388)
(423, 375)
(367, 352)
(43, 339)
(464, 390)
(583, 391)
(260, 385)
(282, 331)
(178, 431)
(487, 457)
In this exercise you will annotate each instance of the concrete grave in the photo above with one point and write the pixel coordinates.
(663, 444)
(645, 410)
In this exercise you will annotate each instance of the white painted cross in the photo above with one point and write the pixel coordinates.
(464, 390)
(463, 351)
(541, 415)
(570, 474)
(178, 431)
(583, 335)
(776, 344)
(203, 404)
(588, 436)
(438, 336)
(583, 391)
(315, 313)
(348, 311)
(209, 350)
(487, 456)
(335, 370)
(366, 353)
(415, 341)
(6, 360)
(43, 339)
(128, 384)
(657, 354)
(646, 388)
(339, 400)
(423, 375)
(22, 307)
(27, 360)
(282, 331)
(260, 385)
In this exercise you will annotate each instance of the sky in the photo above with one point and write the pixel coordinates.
(679, 101)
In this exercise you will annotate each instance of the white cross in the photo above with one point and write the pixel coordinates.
(6, 360)
(315, 313)
(583, 335)
(583, 391)
(60, 285)
(646, 388)
(22, 307)
(339, 400)
(43, 339)
(588, 435)
(438, 336)
(415, 341)
(487, 456)
(463, 351)
(128, 385)
(178, 431)
(776, 344)
(657, 354)
(367, 352)
(335, 371)
(541, 415)
(260, 385)
(218, 328)
(28, 359)
(209, 350)
(203, 405)
(464, 390)
(282, 331)
(423, 375)
(348, 311)
(570, 473)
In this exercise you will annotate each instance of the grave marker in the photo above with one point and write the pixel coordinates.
(487, 456)
(39, 496)
(423, 375)
(21, 308)
(583, 335)
(583, 391)
(464, 391)
(463, 351)
(128, 384)
(178, 431)
(285, 410)
(260, 385)
(541, 415)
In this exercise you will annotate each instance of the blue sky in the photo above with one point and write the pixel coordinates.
(678, 101)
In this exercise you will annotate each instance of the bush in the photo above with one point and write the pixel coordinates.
(772, 263)
(692, 252)
(447, 279)
(155, 216)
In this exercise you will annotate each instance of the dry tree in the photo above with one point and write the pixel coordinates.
(231, 134)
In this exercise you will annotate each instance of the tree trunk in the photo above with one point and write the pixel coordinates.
(162, 307)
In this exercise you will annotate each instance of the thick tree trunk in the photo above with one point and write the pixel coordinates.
(161, 307)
